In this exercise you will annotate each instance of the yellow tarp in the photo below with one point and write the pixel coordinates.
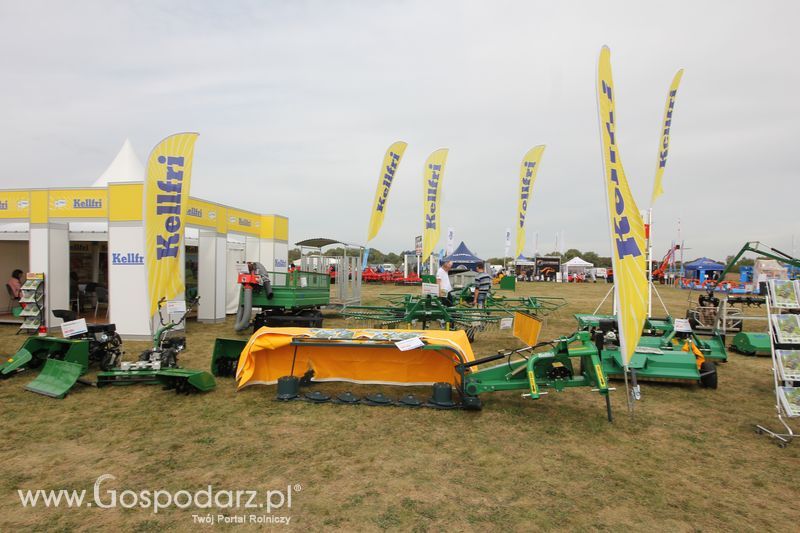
(355, 355)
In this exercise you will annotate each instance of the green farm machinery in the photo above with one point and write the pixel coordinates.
(426, 310)
(283, 298)
(667, 351)
(442, 359)
(159, 364)
(64, 360)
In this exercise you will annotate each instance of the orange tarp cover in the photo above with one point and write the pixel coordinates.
(355, 355)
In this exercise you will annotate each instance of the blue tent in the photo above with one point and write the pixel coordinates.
(462, 256)
(700, 269)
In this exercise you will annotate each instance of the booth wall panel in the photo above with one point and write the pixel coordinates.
(128, 282)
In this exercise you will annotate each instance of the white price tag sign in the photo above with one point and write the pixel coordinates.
(175, 307)
(506, 323)
(242, 268)
(430, 288)
(409, 344)
(75, 327)
(304, 282)
(682, 325)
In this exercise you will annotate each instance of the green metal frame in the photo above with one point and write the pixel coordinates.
(538, 371)
(412, 308)
(289, 292)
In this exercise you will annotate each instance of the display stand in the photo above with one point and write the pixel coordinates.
(32, 297)
(783, 309)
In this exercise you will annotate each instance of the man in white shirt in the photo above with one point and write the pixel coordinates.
(443, 279)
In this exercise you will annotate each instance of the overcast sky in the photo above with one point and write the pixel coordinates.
(296, 102)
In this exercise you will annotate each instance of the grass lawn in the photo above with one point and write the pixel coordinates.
(688, 461)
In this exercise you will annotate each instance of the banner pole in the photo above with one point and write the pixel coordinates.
(650, 262)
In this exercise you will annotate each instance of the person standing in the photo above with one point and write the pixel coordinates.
(483, 284)
(15, 284)
(443, 279)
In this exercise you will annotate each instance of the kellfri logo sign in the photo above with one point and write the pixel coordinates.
(129, 258)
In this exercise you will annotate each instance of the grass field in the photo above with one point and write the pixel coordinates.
(687, 461)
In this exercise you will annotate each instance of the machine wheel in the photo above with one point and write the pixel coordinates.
(38, 359)
(708, 375)
(109, 360)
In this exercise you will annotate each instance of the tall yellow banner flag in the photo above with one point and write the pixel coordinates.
(390, 163)
(166, 195)
(663, 145)
(625, 222)
(527, 175)
(431, 199)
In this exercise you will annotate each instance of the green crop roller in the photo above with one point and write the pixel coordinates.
(747, 343)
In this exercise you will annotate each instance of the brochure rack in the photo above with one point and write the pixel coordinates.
(32, 298)
(783, 308)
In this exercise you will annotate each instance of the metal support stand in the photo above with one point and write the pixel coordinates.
(783, 438)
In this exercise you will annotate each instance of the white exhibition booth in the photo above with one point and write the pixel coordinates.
(576, 265)
(39, 229)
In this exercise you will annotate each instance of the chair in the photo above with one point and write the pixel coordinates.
(100, 298)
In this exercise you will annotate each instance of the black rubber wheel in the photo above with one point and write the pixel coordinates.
(708, 375)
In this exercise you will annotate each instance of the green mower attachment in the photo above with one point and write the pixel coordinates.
(56, 378)
(663, 352)
(36, 350)
(185, 381)
(225, 357)
(747, 343)
(63, 361)
(181, 380)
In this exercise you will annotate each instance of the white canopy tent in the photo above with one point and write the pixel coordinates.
(576, 265)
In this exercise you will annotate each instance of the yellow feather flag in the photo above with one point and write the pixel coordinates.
(527, 175)
(166, 195)
(663, 145)
(390, 163)
(431, 199)
(625, 222)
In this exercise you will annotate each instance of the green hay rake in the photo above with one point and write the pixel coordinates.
(402, 310)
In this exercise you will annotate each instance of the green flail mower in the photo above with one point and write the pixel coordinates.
(666, 351)
(454, 312)
(159, 364)
(283, 299)
(63, 361)
(748, 343)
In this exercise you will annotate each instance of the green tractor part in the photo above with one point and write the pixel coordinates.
(539, 373)
(747, 343)
(118, 376)
(414, 310)
(225, 357)
(56, 378)
(186, 381)
(663, 353)
(36, 350)
(284, 298)
(62, 361)
(181, 380)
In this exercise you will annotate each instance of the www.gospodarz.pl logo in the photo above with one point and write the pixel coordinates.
(265, 502)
